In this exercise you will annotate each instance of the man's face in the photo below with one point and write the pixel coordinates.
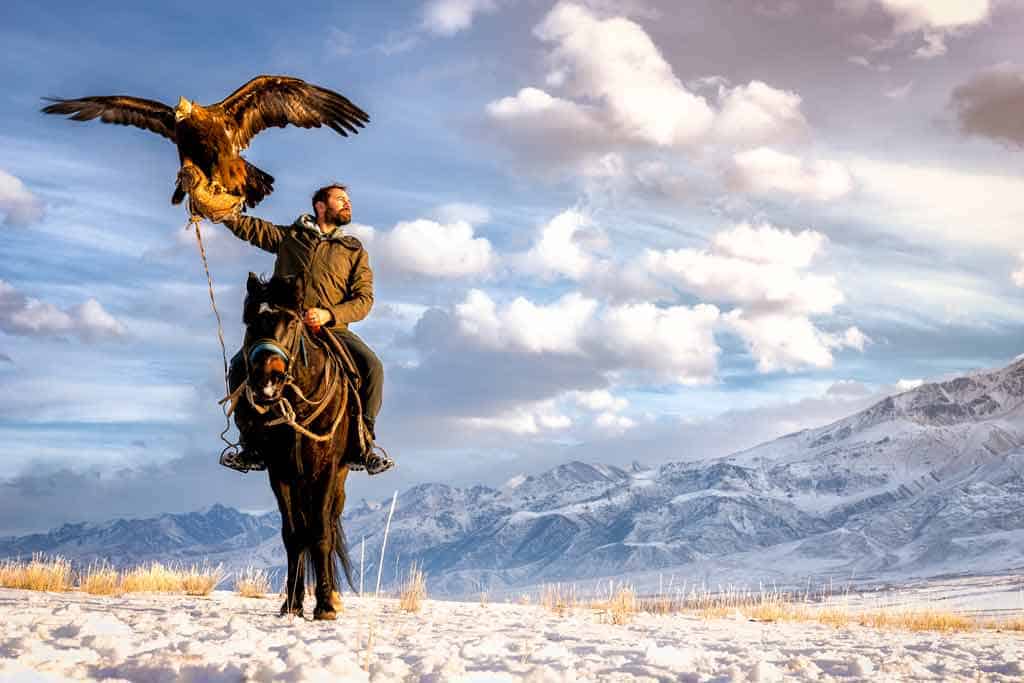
(338, 209)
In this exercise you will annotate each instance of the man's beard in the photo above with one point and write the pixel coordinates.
(337, 218)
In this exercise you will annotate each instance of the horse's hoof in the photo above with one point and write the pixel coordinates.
(325, 614)
(294, 610)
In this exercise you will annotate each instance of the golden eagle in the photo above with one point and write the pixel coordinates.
(211, 138)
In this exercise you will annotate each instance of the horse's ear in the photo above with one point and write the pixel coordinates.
(253, 284)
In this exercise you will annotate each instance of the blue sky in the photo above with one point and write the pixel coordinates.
(642, 230)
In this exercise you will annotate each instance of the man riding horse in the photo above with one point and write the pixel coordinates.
(338, 291)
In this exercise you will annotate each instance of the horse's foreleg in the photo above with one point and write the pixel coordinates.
(292, 536)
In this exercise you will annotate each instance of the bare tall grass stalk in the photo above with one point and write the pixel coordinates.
(413, 590)
(100, 579)
(253, 583)
(38, 574)
(558, 599)
(622, 606)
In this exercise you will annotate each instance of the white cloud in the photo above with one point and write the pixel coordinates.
(426, 247)
(735, 271)
(448, 17)
(614, 424)
(22, 315)
(599, 400)
(764, 243)
(757, 113)
(917, 15)
(525, 419)
(763, 269)
(929, 202)
(908, 384)
(935, 20)
(558, 250)
(17, 203)
(474, 214)
(615, 61)
(766, 171)
(1018, 275)
(790, 342)
(525, 326)
(675, 344)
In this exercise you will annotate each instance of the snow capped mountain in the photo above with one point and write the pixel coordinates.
(925, 482)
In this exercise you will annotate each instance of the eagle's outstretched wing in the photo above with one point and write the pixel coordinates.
(120, 109)
(267, 101)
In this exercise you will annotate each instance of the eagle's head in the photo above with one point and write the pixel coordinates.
(183, 110)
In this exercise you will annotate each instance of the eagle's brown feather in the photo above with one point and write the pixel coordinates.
(120, 109)
(268, 101)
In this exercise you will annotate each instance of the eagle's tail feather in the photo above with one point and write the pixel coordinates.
(258, 184)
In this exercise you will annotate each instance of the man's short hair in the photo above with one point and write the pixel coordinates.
(321, 194)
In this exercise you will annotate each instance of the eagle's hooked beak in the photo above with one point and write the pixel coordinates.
(183, 110)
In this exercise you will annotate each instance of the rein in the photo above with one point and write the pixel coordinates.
(283, 409)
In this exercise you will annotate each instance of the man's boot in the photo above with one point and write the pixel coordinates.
(375, 459)
(243, 459)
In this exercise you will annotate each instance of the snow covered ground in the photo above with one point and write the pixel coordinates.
(55, 637)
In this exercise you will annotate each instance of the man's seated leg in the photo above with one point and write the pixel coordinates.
(371, 392)
(246, 458)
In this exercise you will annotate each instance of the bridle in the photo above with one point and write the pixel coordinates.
(280, 405)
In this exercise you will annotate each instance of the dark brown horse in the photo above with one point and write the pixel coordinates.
(294, 407)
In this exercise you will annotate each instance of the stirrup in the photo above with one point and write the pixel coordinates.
(376, 460)
(241, 461)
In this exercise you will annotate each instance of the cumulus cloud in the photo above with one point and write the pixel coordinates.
(429, 248)
(525, 326)
(790, 342)
(615, 61)
(527, 419)
(560, 249)
(757, 266)
(757, 113)
(616, 89)
(763, 270)
(22, 315)
(448, 17)
(19, 206)
(990, 104)
(673, 343)
(764, 170)
(935, 20)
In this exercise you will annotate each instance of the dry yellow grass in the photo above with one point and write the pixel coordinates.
(159, 578)
(776, 606)
(558, 599)
(100, 579)
(201, 580)
(38, 574)
(621, 607)
(413, 590)
(253, 583)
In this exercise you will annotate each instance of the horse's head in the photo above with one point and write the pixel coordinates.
(273, 330)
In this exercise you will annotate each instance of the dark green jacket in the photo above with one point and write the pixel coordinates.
(336, 267)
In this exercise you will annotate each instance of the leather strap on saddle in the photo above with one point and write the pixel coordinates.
(344, 354)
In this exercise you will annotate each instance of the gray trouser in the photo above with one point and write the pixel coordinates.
(371, 391)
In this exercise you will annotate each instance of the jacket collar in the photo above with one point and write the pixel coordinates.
(307, 222)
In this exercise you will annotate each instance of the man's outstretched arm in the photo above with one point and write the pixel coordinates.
(263, 234)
